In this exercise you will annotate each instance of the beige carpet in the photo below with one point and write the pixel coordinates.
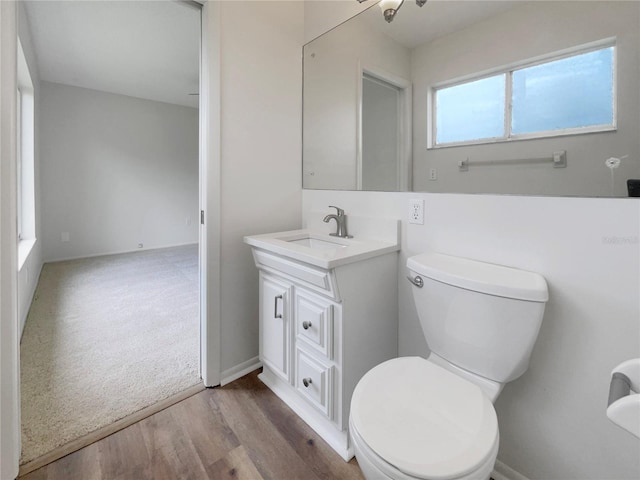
(106, 337)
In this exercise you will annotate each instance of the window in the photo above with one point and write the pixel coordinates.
(567, 94)
(25, 160)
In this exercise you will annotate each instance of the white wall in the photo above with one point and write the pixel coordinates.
(332, 86)
(522, 33)
(261, 104)
(29, 274)
(552, 420)
(116, 171)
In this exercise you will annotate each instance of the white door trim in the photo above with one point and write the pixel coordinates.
(210, 312)
(404, 180)
(9, 336)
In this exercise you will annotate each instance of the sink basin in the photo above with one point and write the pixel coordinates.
(320, 249)
(316, 243)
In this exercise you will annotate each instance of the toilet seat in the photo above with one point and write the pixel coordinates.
(374, 467)
(423, 420)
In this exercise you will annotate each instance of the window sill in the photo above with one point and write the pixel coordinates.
(530, 136)
(24, 249)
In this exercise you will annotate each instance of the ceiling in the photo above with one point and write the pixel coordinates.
(150, 48)
(145, 49)
(413, 25)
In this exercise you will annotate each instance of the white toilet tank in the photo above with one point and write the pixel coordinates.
(481, 317)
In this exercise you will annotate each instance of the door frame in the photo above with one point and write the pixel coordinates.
(209, 191)
(9, 329)
(405, 144)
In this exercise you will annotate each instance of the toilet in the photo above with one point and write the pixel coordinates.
(433, 418)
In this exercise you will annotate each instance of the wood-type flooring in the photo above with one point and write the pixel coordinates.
(239, 431)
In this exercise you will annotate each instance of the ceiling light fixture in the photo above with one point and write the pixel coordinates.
(390, 7)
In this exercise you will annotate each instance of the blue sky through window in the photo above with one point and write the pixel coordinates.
(564, 94)
(471, 111)
(572, 92)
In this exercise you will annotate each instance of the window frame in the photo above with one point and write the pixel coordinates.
(19, 161)
(508, 71)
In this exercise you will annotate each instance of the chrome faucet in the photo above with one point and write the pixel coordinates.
(341, 222)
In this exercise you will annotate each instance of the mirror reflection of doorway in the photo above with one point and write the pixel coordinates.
(385, 128)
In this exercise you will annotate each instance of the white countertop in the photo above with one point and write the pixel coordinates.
(347, 250)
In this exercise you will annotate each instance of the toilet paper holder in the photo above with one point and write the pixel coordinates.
(624, 396)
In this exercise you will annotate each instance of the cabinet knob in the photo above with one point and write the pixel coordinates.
(306, 325)
(306, 382)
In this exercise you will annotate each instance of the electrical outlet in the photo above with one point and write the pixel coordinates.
(433, 174)
(416, 211)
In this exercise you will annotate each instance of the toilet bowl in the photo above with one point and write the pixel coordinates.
(433, 419)
(412, 419)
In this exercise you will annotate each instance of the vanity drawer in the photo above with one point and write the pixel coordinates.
(314, 322)
(314, 278)
(315, 382)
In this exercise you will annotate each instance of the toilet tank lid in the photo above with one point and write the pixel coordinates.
(481, 277)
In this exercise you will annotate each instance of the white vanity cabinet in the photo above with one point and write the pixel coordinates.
(321, 330)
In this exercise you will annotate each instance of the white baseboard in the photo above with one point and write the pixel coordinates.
(502, 471)
(119, 252)
(240, 370)
(32, 293)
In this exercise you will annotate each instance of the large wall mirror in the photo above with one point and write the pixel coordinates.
(514, 97)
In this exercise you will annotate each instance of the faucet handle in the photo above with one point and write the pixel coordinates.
(340, 211)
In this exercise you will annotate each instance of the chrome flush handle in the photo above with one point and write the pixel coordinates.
(417, 280)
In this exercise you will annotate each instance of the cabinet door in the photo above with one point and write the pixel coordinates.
(275, 336)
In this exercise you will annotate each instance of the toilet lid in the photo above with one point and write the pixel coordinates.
(424, 420)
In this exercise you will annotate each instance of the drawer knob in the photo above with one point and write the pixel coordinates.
(306, 325)
(306, 382)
